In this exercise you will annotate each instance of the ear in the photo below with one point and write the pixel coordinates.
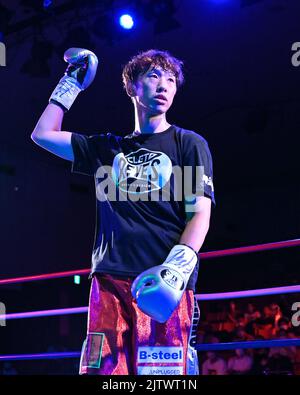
(130, 89)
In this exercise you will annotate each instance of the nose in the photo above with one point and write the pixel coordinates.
(162, 86)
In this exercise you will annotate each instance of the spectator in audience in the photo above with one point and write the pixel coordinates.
(241, 363)
(276, 314)
(230, 320)
(264, 326)
(284, 326)
(289, 351)
(8, 369)
(205, 334)
(233, 312)
(278, 364)
(214, 364)
(251, 316)
(240, 320)
(267, 316)
(281, 359)
(260, 359)
(241, 335)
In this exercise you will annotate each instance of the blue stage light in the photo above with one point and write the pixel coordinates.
(126, 21)
(47, 3)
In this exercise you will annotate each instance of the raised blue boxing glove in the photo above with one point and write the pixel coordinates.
(159, 289)
(79, 74)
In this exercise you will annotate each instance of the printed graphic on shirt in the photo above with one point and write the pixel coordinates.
(99, 252)
(141, 171)
(209, 182)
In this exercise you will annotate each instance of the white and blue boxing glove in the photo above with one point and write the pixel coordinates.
(79, 74)
(159, 289)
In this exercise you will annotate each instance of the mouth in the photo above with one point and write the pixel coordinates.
(161, 98)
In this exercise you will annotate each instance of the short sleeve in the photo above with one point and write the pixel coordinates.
(198, 166)
(87, 152)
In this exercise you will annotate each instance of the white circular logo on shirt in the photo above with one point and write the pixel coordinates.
(141, 171)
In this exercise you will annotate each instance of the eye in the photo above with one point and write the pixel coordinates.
(172, 79)
(154, 75)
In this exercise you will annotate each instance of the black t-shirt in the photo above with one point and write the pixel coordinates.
(140, 211)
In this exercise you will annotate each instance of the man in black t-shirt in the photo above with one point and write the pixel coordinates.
(154, 190)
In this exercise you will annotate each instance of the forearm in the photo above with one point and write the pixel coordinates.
(195, 231)
(81, 70)
(50, 120)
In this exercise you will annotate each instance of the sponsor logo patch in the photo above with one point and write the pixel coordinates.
(160, 354)
(160, 370)
(173, 279)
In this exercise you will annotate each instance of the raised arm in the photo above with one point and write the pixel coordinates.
(48, 135)
(78, 76)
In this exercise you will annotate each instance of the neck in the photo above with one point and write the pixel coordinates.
(144, 123)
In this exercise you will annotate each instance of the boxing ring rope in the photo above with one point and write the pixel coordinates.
(54, 355)
(246, 250)
(253, 292)
(48, 276)
(198, 347)
(213, 296)
(44, 313)
(248, 344)
(203, 255)
(202, 297)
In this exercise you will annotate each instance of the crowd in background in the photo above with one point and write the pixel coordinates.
(246, 322)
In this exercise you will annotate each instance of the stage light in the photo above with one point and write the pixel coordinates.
(47, 4)
(126, 21)
(113, 26)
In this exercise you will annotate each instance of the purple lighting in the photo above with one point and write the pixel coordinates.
(55, 355)
(44, 313)
(247, 344)
(250, 293)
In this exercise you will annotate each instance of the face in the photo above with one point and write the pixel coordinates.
(211, 355)
(267, 311)
(155, 91)
(274, 307)
(240, 332)
(250, 308)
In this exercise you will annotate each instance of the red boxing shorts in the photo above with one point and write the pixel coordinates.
(122, 340)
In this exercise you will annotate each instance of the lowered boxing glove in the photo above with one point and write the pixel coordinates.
(79, 74)
(159, 289)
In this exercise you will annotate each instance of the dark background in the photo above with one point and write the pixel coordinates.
(241, 94)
